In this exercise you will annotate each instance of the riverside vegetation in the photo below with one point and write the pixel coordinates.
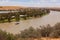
(25, 13)
(30, 33)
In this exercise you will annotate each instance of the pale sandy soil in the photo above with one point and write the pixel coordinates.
(50, 38)
(40, 39)
(46, 39)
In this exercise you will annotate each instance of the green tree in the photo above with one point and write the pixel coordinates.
(9, 17)
(17, 16)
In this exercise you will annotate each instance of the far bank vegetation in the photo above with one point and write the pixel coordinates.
(26, 13)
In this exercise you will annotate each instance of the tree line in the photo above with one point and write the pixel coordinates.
(26, 12)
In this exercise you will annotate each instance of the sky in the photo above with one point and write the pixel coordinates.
(31, 3)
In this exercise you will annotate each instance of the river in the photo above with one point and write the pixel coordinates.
(52, 19)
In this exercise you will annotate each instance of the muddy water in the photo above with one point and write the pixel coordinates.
(51, 19)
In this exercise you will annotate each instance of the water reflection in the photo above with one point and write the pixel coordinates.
(51, 19)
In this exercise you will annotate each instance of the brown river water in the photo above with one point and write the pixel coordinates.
(51, 19)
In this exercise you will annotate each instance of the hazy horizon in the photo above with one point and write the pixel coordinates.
(31, 3)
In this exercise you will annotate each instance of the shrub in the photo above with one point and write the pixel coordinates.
(45, 31)
(6, 36)
(29, 33)
(55, 34)
(11, 37)
(3, 35)
(56, 26)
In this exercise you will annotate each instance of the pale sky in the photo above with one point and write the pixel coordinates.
(31, 3)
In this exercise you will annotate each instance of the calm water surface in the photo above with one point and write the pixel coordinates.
(51, 19)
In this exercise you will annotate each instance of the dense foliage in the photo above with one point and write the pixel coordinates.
(6, 36)
(26, 13)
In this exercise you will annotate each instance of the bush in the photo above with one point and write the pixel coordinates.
(45, 31)
(55, 34)
(3, 35)
(56, 26)
(56, 31)
(11, 37)
(29, 33)
(6, 36)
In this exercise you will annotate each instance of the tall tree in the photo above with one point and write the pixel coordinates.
(17, 16)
